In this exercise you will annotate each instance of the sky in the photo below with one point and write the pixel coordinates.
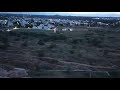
(98, 14)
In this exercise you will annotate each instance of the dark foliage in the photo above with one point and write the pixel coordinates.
(41, 53)
(41, 42)
(71, 51)
(25, 44)
(52, 45)
(58, 37)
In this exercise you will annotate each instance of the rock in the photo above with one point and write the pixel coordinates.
(3, 73)
(17, 73)
(14, 73)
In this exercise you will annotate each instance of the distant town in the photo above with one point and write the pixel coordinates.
(10, 21)
(56, 46)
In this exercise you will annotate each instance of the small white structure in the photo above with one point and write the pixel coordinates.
(28, 27)
(34, 27)
(71, 29)
(39, 27)
(8, 30)
(67, 29)
(15, 28)
(54, 30)
(64, 29)
(10, 23)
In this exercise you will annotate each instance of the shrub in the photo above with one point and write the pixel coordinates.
(12, 33)
(71, 51)
(25, 43)
(17, 39)
(45, 67)
(52, 45)
(75, 40)
(3, 46)
(105, 52)
(74, 46)
(94, 40)
(25, 37)
(68, 69)
(46, 39)
(40, 42)
(6, 67)
(41, 53)
(4, 43)
(79, 55)
(58, 37)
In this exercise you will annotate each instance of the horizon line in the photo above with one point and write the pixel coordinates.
(63, 14)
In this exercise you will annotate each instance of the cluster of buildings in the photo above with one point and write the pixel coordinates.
(26, 21)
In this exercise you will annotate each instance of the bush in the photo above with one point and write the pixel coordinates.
(14, 34)
(4, 39)
(6, 67)
(25, 43)
(46, 39)
(79, 55)
(74, 46)
(76, 41)
(4, 46)
(58, 37)
(25, 37)
(40, 42)
(94, 40)
(41, 53)
(71, 51)
(105, 52)
(17, 39)
(68, 69)
(45, 67)
(52, 45)
(4, 42)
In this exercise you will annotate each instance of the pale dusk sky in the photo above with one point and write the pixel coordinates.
(99, 14)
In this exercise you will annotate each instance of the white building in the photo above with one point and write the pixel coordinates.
(67, 29)
(8, 30)
(64, 29)
(23, 22)
(35, 27)
(10, 23)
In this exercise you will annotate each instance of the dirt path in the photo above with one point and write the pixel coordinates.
(74, 63)
(59, 60)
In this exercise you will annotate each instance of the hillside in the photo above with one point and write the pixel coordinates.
(63, 54)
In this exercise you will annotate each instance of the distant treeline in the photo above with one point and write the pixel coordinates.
(55, 16)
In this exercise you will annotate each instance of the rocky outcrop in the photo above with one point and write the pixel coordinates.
(14, 73)
(17, 73)
(3, 73)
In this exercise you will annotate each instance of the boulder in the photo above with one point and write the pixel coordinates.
(17, 73)
(3, 73)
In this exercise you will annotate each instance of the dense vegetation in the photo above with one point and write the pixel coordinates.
(37, 50)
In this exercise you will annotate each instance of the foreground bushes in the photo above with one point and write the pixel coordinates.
(24, 44)
(94, 39)
(3, 46)
(41, 53)
(41, 42)
(57, 37)
(4, 42)
(52, 45)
